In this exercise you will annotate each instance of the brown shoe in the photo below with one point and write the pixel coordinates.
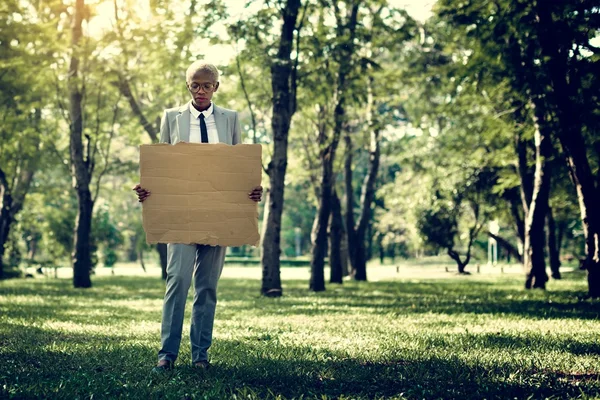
(204, 364)
(162, 367)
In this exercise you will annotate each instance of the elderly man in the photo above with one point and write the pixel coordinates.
(199, 121)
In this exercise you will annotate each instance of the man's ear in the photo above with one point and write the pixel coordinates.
(217, 86)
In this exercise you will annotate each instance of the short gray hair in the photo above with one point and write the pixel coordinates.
(200, 65)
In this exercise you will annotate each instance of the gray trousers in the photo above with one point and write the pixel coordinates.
(205, 264)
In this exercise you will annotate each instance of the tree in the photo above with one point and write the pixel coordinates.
(463, 204)
(343, 54)
(283, 80)
(22, 132)
(548, 58)
(389, 31)
(536, 211)
(86, 79)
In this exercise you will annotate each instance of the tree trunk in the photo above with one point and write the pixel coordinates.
(473, 232)
(350, 221)
(345, 52)
(161, 248)
(553, 249)
(336, 233)
(366, 199)
(319, 231)
(344, 251)
(284, 106)
(381, 249)
(505, 244)
(81, 167)
(125, 90)
(82, 256)
(6, 216)
(533, 254)
(512, 196)
(570, 134)
(5, 221)
(460, 264)
(140, 255)
(525, 178)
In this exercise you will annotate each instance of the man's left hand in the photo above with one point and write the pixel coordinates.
(256, 194)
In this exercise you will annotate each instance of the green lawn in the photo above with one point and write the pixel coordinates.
(455, 337)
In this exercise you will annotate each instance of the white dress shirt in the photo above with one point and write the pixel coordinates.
(211, 126)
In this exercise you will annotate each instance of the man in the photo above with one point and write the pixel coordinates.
(199, 121)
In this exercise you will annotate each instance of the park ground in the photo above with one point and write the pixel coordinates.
(413, 331)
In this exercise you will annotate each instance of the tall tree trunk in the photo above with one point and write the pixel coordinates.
(81, 168)
(570, 134)
(366, 199)
(512, 196)
(533, 255)
(553, 249)
(284, 107)
(336, 233)
(319, 231)
(5, 222)
(344, 251)
(327, 154)
(380, 249)
(350, 220)
(82, 256)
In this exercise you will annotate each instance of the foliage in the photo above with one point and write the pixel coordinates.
(443, 92)
(439, 224)
(107, 234)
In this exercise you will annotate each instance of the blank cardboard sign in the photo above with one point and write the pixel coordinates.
(199, 193)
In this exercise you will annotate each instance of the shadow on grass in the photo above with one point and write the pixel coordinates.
(45, 357)
(422, 297)
(34, 368)
(390, 297)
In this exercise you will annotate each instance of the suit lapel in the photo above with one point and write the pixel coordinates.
(183, 123)
(221, 123)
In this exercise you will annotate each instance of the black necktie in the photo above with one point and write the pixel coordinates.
(203, 130)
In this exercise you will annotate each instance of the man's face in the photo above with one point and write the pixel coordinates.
(202, 86)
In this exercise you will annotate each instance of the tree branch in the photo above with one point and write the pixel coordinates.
(294, 74)
(246, 96)
(107, 154)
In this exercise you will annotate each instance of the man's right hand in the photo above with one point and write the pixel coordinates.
(141, 193)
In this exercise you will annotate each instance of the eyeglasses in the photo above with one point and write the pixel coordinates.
(207, 87)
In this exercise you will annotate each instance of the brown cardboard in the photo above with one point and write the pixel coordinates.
(199, 193)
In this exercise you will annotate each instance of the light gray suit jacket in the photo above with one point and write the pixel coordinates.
(175, 125)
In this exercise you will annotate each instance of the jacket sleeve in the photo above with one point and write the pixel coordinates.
(237, 131)
(165, 134)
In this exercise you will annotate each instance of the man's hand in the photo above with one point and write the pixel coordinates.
(255, 194)
(142, 193)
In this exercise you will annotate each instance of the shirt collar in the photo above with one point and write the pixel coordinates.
(196, 113)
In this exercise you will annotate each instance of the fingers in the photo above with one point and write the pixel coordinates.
(143, 196)
(256, 194)
(142, 193)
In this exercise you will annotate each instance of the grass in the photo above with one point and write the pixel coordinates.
(455, 337)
